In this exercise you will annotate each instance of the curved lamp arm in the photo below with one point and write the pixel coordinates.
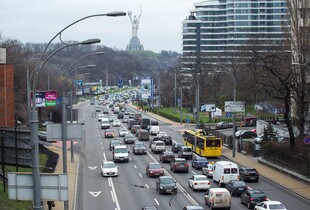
(110, 14)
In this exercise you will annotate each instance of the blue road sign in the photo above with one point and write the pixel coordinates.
(307, 140)
(120, 83)
(228, 115)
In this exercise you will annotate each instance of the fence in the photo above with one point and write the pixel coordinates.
(296, 159)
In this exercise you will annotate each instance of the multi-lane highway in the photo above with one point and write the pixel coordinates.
(132, 189)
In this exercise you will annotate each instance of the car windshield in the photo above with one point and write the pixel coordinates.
(251, 170)
(187, 149)
(239, 184)
(129, 137)
(154, 166)
(168, 153)
(258, 195)
(201, 159)
(114, 142)
(276, 206)
(109, 165)
(167, 180)
(120, 150)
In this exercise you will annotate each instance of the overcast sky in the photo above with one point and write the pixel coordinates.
(38, 21)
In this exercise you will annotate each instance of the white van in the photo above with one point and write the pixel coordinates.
(116, 110)
(154, 130)
(120, 153)
(224, 171)
(218, 198)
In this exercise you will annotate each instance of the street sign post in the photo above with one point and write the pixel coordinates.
(234, 106)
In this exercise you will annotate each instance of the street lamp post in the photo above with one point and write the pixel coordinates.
(230, 73)
(33, 119)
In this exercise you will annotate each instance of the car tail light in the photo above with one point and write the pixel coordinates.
(212, 200)
(186, 164)
(266, 199)
(209, 183)
(251, 199)
(175, 164)
(195, 183)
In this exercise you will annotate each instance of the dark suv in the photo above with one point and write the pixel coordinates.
(176, 146)
(251, 197)
(166, 184)
(167, 139)
(248, 174)
(179, 164)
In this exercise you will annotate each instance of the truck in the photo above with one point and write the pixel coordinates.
(121, 153)
(144, 122)
(137, 116)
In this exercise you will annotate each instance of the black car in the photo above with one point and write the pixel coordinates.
(150, 207)
(251, 197)
(113, 143)
(129, 139)
(166, 156)
(176, 147)
(139, 149)
(167, 139)
(236, 187)
(248, 174)
(247, 135)
(166, 184)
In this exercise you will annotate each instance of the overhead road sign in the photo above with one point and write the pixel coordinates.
(234, 106)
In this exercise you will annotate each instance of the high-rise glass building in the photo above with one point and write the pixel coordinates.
(222, 29)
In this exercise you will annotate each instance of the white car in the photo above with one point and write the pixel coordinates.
(270, 205)
(123, 132)
(116, 123)
(108, 168)
(199, 182)
(100, 116)
(208, 171)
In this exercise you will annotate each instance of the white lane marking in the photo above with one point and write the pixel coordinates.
(95, 194)
(109, 181)
(156, 201)
(135, 166)
(92, 167)
(189, 197)
(104, 157)
(113, 199)
(102, 148)
(140, 175)
(193, 172)
(147, 186)
(116, 200)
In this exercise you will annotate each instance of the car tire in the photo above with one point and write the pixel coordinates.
(175, 192)
(249, 206)
(160, 192)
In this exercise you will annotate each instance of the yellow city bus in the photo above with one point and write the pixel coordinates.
(206, 146)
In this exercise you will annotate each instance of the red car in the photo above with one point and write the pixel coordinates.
(109, 133)
(154, 170)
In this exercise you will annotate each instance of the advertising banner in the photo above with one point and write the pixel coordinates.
(46, 98)
(146, 88)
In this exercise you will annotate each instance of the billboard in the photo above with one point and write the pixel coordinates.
(146, 88)
(208, 108)
(46, 98)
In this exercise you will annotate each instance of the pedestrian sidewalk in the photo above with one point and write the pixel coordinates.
(72, 171)
(288, 179)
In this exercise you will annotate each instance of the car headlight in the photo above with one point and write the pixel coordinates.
(161, 187)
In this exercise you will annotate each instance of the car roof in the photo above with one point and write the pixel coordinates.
(199, 175)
